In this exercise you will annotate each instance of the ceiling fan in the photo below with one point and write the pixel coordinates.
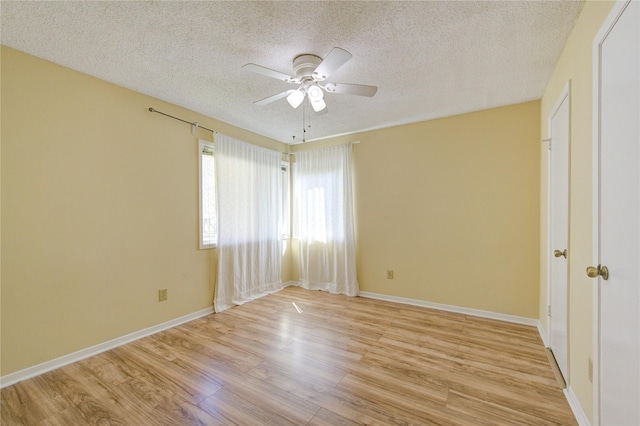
(310, 74)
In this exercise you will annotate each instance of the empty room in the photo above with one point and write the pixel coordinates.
(320, 213)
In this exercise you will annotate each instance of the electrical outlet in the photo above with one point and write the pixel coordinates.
(390, 274)
(590, 370)
(162, 295)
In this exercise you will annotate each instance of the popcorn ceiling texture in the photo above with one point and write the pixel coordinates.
(428, 59)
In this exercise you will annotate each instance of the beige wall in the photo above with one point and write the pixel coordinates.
(452, 206)
(575, 65)
(99, 211)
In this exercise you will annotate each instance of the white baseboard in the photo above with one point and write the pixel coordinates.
(571, 397)
(451, 308)
(578, 412)
(543, 335)
(36, 370)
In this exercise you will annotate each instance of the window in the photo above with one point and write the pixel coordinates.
(285, 224)
(208, 202)
(322, 200)
(319, 216)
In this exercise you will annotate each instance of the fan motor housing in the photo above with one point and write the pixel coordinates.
(305, 64)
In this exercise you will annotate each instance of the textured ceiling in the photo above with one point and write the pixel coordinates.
(428, 59)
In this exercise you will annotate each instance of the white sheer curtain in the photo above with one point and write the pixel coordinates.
(323, 213)
(249, 245)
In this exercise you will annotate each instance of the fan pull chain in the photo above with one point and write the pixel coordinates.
(304, 126)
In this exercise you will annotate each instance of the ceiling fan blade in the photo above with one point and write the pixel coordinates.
(258, 69)
(334, 60)
(273, 98)
(351, 89)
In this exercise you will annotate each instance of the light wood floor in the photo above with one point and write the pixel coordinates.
(341, 361)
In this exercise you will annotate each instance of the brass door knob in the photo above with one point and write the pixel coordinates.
(558, 253)
(593, 272)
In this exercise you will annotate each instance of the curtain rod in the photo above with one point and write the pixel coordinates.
(196, 124)
(193, 125)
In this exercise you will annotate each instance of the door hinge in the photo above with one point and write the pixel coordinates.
(549, 310)
(549, 142)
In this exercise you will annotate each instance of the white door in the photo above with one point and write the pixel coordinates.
(617, 213)
(559, 230)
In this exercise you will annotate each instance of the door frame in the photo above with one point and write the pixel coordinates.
(564, 94)
(603, 32)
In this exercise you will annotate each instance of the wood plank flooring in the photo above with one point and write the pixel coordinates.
(341, 361)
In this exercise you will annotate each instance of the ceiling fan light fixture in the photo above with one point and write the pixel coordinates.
(295, 98)
(315, 93)
(318, 105)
